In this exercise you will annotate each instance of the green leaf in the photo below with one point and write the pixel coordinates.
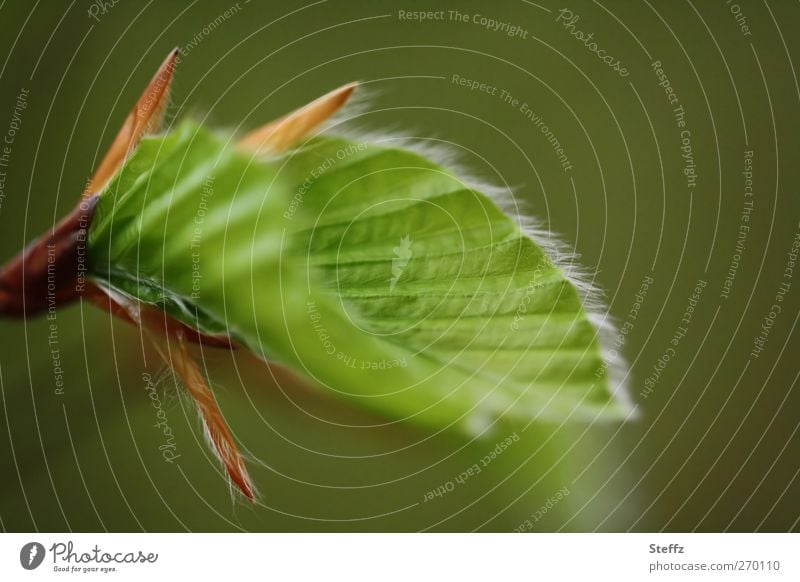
(365, 267)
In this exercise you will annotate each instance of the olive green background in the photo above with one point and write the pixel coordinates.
(715, 446)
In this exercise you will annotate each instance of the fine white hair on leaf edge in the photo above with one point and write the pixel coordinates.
(442, 153)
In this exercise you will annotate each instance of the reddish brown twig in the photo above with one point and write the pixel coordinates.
(51, 269)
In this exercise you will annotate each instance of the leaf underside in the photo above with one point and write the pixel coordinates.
(368, 268)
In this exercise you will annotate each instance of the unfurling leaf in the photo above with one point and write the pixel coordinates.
(365, 267)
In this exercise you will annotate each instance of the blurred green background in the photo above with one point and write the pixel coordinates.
(716, 445)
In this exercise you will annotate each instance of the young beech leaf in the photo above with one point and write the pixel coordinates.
(365, 267)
